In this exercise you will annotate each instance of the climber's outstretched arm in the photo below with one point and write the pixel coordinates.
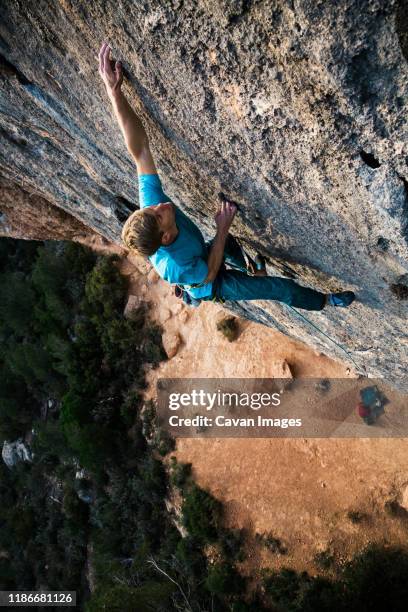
(132, 128)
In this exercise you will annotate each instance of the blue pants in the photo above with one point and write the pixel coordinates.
(237, 285)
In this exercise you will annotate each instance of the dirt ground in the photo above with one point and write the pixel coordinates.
(314, 495)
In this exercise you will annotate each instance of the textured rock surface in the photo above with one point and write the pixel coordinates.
(25, 214)
(14, 452)
(134, 301)
(171, 343)
(294, 108)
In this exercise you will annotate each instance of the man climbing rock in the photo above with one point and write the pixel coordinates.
(174, 244)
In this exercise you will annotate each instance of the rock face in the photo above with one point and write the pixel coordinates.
(13, 452)
(284, 373)
(171, 343)
(134, 301)
(294, 109)
(283, 369)
(25, 214)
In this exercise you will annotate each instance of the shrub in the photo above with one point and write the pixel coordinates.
(232, 543)
(180, 473)
(376, 579)
(228, 326)
(92, 444)
(163, 442)
(271, 543)
(17, 302)
(325, 560)
(223, 580)
(105, 291)
(290, 591)
(356, 516)
(201, 514)
(73, 508)
(122, 598)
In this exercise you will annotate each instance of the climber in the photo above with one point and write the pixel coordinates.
(174, 244)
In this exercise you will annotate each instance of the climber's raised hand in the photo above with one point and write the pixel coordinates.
(225, 215)
(110, 70)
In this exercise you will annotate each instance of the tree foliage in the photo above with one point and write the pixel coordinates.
(72, 375)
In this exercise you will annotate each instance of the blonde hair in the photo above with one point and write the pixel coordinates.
(141, 232)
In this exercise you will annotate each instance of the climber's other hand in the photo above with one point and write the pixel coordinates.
(110, 70)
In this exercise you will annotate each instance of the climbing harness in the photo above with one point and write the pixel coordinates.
(182, 293)
(188, 299)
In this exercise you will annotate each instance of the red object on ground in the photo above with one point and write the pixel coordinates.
(363, 410)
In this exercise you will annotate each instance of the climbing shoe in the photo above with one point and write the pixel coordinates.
(260, 262)
(342, 299)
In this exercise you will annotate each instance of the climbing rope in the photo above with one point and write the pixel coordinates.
(331, 339)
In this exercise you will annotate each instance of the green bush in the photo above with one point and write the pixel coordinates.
(376, 579)
(201, 514)
(151, 596)
(129, 408)
(92, 444)
(16, 405)
(73, 508)
(49, 441)
(229, 327)
(290, 591)
(75, 409)
(325, 560)
(223, 580)
(163, 442)
(105, 291)
(180, 473)
(272, 543)
(232, 543)
(17, 302)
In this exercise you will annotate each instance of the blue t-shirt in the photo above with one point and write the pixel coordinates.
(184, 261)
